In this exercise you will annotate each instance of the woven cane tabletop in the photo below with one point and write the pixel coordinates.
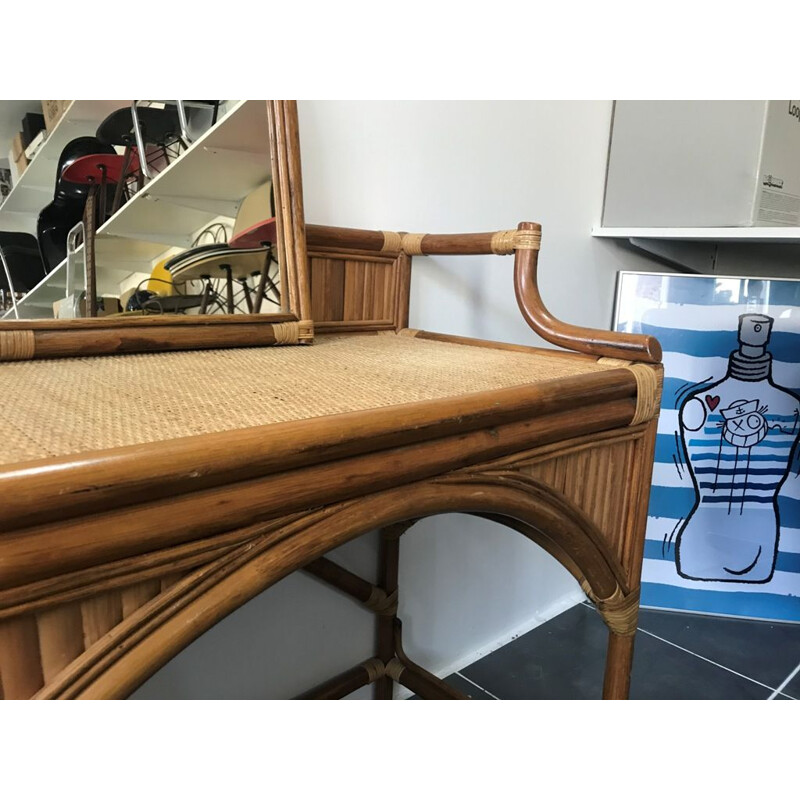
(66, 406)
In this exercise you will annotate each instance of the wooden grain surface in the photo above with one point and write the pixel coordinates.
(20, 657)
(596, 342)
(45, 550)
(61, 638)
(123, 635)
(112, 562)
(153, 634)
(81, 342)
(64, 487)
(354, 288)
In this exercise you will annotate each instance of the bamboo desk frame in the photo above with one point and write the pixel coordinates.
(112, 562)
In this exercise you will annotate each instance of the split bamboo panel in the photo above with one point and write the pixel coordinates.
(350, 287)
(136, 596)
(100, 614)
(596, 476)
(36, 647)
(60, 637)
(20, 658)
(327, 289)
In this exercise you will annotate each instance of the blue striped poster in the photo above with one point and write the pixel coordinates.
(723, 528)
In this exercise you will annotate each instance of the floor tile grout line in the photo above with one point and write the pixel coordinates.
(477, 686)
(703, 658)
(775, 692)
(788, 680)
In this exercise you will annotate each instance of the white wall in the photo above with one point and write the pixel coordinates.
(466, 585)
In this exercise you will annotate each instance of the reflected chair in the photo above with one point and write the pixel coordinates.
(255, 226)
(148, 130)
(21, 267)
(95, 172)
(66, 210)
(213, 262)
(262, 234)
(154, 131)
(248, 254)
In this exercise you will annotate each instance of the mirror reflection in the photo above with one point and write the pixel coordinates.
(139, 208)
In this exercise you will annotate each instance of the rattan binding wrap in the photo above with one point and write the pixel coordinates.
(506, 242)
(293, 332)
(392, 242)
(648, 397)
(375, 669)
(412, 243)
(614, 362)
(620, 612)
(16, 345)
(395, 668)
(381, 603)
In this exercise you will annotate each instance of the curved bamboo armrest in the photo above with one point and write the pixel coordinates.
(524, 242)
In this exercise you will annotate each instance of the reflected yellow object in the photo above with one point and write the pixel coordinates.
(160, 281)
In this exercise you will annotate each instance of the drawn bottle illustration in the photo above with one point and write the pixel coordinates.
(738, 437)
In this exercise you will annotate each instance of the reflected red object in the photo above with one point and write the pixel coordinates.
(89, 169)
(256, 235)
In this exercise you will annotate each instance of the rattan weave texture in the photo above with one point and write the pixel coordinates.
(66, 406)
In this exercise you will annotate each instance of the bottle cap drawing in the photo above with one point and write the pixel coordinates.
(752, 361)
(754, 331)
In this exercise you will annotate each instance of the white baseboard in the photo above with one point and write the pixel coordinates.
(559, 606)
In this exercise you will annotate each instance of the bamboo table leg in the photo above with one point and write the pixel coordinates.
(387, 580)
(619, 659)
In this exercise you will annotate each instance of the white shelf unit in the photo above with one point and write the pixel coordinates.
(783, 235)
(36, 186)
(773, 252)
(120, 260)
(207, 181)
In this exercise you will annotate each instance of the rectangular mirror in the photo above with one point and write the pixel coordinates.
(198, 244)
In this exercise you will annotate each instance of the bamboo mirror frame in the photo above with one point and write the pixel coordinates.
(94, 336)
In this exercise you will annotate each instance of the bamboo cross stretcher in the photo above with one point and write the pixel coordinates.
(125, 535)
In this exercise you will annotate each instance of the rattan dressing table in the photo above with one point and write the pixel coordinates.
(134, 517)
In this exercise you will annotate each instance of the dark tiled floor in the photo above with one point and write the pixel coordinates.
(677, 657)
(792, 689)
(765, 651)
(469, 689)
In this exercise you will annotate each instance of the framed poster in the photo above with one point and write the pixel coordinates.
(723, 528)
